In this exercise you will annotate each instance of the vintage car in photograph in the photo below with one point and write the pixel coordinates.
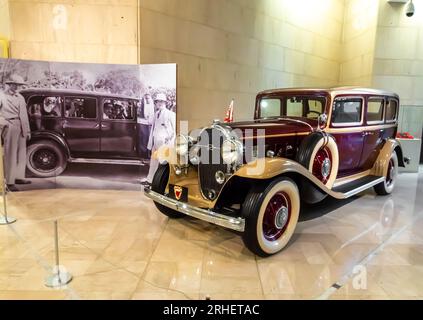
(80, 127)
(304, 145)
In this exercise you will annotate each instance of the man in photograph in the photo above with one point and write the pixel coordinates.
(108, 111)
(122, 111)
(51, 107)
(15, 132)
(162, 132)
(145, 118)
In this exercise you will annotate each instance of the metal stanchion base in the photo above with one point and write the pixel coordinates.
(6, 220)
(58, 280)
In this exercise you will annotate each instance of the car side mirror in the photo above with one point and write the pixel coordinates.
(322, 120)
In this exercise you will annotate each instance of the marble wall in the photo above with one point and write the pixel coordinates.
(398, 62)
(103, 31)
(234, 48)
(358, 42)
(4, 19)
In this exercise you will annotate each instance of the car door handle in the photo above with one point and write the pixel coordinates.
(103, 126)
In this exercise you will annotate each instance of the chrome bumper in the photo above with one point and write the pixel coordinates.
(237, 224)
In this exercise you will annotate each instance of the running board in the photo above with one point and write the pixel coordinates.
(109, 161)
(352, 188)
(343, 191)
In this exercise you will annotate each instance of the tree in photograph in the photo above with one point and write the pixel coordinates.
(119, 82)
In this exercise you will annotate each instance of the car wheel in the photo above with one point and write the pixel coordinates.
(319, 154)
(160, 180)
(46, 159)
(387, 186)
(271, 215)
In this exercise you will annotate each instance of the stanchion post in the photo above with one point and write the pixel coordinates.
(58, 277)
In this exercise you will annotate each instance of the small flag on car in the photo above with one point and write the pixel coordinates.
(230, 113)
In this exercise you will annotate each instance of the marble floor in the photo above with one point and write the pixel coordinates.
(117, 246)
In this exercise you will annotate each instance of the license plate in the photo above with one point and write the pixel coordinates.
(178, 193)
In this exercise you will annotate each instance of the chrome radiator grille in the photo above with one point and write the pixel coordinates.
(210, 144)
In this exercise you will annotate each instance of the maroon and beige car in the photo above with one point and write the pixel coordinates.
(303, 145)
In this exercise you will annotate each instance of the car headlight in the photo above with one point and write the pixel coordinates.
(182, 144)
(231, 152)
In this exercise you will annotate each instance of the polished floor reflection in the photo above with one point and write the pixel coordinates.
(118, 246)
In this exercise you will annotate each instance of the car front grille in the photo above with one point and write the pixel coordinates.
(210, 145)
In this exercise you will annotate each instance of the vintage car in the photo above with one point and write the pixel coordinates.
(81, 127)
(303, 144)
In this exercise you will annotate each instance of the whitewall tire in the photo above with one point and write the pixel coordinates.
(318, 153)
(271, 213)
(391, 173)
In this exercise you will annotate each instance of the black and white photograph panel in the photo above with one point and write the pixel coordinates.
(72, 125)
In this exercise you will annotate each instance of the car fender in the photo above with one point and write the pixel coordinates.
(380, 166)
(41, 135)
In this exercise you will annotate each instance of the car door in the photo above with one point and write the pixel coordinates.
(81, 126)
(374, 131)
(346, 127)
(118, 128)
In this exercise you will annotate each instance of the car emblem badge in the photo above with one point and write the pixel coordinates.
(178, 192)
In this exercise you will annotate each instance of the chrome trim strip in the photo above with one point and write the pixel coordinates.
(286, 118)
(360, 128)
(237, 224)
(108, 161)
(277, 135)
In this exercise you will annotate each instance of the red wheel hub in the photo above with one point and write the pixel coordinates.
(322, 165)
(276, 216)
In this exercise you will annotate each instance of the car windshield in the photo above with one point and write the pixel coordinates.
(292, 106)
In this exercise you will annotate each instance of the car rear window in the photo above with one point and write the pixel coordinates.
(391, 110)
(118, 109)
(375, 108)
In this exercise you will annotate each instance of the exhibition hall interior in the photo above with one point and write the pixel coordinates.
(211, 150)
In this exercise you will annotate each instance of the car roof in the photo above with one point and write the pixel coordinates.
(333, 91)
(73, 92)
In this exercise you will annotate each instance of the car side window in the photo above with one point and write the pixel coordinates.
(118, 109)
(347, 111)
(391, 110)
(46, 106)
(270, 108)
(83, 108)
(375, 108)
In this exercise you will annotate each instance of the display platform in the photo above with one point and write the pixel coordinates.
(117, 245)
